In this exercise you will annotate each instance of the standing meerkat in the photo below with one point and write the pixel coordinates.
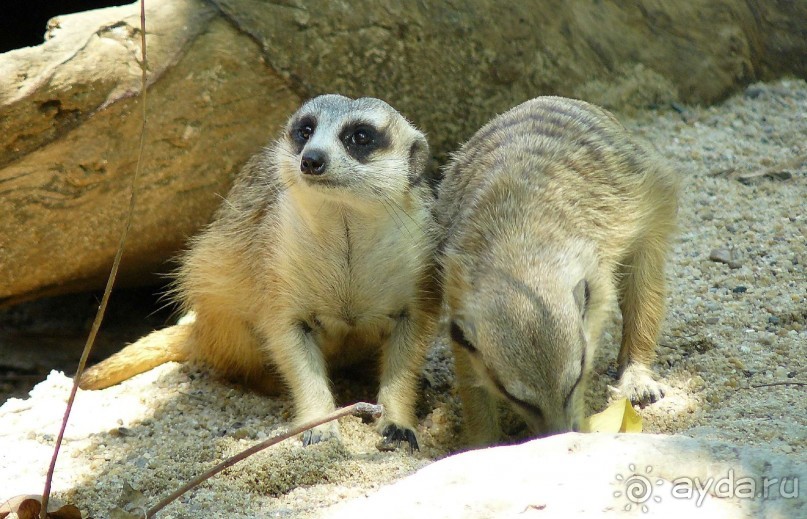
(322, 256)
(551, 212)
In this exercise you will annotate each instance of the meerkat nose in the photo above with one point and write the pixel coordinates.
(313, 163)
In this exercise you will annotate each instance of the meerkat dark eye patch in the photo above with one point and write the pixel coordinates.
(582, 296)
(302, 131)
(532, 409)
(362, 139)
(568, 398)
(458, 336)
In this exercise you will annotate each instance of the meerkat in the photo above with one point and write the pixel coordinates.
(322, 256)
(551, 212)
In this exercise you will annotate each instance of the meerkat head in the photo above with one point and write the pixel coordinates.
(526, 345)
(351, 149)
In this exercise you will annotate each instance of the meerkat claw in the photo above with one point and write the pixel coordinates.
(646, 395)
(394, 435)
(637, 385)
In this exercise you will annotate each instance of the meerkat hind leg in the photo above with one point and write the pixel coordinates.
(642, 290)
(229, 345)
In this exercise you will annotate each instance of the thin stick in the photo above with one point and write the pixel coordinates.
(358, 408)
(782, 383)
(99, 316)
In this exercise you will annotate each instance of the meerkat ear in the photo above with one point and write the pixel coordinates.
(582, 294)
(419, 159)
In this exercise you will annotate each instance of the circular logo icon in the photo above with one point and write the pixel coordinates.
(637, 488)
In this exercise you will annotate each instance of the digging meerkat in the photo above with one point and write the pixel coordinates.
(322, 256)
(551, 212)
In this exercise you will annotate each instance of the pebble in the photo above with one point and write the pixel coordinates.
(725, 256)
(754, 91)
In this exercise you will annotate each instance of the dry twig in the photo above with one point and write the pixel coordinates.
(99, 316)
(360, 408)
(780, 383)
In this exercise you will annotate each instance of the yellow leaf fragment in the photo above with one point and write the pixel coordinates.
(617, 417)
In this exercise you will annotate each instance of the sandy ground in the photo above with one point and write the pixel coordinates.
(733, 352)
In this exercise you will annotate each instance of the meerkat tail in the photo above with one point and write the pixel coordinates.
(154, 349)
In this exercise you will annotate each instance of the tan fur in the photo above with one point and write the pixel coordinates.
(152, 350)
(551, 212)
(300, 273)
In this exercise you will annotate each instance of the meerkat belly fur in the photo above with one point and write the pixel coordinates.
(321, 256)
(552, 211)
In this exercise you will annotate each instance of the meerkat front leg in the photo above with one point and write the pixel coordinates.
(402, 358)
(642, 290)
(300, 362)
(480, 411)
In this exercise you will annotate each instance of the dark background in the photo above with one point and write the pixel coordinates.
(23, 22)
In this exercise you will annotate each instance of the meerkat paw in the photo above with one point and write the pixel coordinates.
(638, 385)
(325, 432)
(393, 435)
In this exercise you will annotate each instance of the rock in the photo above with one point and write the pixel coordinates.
(574, 474)
(754, 91)
(725, 256)
(69, 130)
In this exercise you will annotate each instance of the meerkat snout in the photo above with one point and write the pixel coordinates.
(314, 162)
(507, 331)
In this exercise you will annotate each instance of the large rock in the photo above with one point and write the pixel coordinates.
(588, 475)
(69, 138)
(226, 73)
(451, 69)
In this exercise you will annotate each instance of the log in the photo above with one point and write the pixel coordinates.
(225, 75)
